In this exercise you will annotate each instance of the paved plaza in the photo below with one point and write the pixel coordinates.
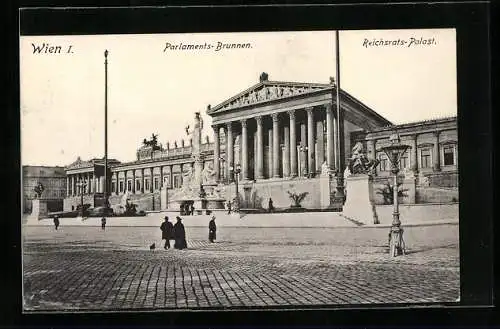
(85, 268)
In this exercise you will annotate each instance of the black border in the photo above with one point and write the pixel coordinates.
(475, 132)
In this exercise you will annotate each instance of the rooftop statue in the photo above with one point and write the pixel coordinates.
(153, 142)
(359, 162)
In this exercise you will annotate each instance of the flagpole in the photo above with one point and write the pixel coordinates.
(340, 126)
(105, 188)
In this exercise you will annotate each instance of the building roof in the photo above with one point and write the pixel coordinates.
(268, 91)
(428, 122)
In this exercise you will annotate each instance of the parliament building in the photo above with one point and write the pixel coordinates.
(283, 137)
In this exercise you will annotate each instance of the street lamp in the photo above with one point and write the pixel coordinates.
(82, 185)
(105, 187)
(236, 171)
(394, 152)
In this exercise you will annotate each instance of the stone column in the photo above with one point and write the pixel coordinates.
(320, 146)
(125, 181)
(216, 152)
(244, 150)
(117, 185)
(133, 181)
(229, 151)
(270, 153)
(310, 141)
(276, 146)
(161, 178)
(336, 156)
(143, 181)
(330, 146)
(101, 184)
(303, 153)
(286, 153)
(151, 178)
(67, 186)
(260, 149)
(293, 144)
(413, 154)
(435, 156)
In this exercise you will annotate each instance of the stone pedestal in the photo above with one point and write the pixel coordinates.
(359, 205)
(409, 186)
(39, 209)
(324, 185)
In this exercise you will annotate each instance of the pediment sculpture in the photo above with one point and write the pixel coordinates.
(359, 162)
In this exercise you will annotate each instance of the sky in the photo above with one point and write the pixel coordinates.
(153, 90)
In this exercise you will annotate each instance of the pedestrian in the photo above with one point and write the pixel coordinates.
(181, 212)
(56, 222)
(103, 223)
(167, 232)
(192, 210)
(228, 207)
(271, 207)
(212, 228)
(179, 235)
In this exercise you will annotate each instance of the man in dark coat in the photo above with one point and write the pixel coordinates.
(212, 228)
(56, 222)
(271, 207)
(179, 235)
(103, 223)
(167, 232)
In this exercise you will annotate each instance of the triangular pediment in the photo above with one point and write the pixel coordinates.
(266, 91)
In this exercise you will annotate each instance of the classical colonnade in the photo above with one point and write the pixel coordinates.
(293, 141)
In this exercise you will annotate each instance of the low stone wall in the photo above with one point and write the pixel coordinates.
(419, 212)
(256, 195)
(436, 195)
(71, 203)
(447, 179)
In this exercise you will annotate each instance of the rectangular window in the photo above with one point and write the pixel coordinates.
(129, 185)
(404, 162)
(113, 187)
(384, 162)
(177, 181)
(156, 183)
(449, 155)
(121, 186)
(146, 183)
(425, 158)
(137, 185)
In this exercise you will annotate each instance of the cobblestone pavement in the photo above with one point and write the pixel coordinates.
(85, 268)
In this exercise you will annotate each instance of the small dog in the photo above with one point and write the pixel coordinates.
(152, 247)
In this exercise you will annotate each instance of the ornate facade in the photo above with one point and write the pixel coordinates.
(283, 136)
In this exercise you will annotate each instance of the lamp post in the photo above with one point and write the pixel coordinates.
(394, 152)
(105, 187)
(236, 171)
(82, 185)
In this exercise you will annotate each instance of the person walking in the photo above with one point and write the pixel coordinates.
(192, 210)
(166, 232)
(270, 204)
(179, 235)
(228, 207)
(56, 222)
(103, 223)
(212, 228)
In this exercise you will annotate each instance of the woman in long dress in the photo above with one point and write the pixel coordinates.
(179, 235)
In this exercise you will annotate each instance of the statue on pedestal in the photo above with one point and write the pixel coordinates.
(359, 162)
